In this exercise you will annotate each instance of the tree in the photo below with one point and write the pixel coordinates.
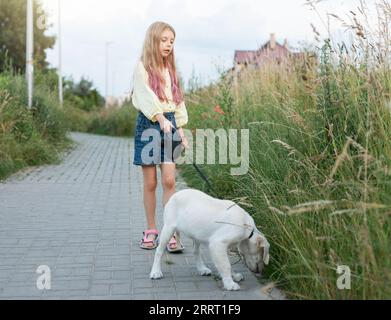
(13, 35)
(82, 95)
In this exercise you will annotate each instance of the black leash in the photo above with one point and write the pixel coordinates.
(205, 179)
(203, 176)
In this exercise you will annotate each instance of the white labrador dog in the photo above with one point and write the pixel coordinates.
(219, 224)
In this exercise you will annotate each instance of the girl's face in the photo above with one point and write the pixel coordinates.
(166, 43)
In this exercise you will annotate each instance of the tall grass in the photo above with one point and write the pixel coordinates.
(29, 137)
(319, 182)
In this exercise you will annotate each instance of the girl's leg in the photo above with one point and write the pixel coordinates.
(168, 182)
(150, 184)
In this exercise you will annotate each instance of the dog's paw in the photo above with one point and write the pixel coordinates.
(156, 275)
(237, 277)
(204, 271)
(231, 286)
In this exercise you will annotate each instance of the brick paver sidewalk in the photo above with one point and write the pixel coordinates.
(83, 219)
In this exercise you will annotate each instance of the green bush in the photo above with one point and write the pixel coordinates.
(29, 136)
(113, 121)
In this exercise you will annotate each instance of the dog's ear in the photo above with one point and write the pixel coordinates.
(262, 243)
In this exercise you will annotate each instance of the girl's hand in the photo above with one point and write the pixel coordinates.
(165, 125)
(185, 143)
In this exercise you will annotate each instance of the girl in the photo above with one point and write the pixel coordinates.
(158, 97)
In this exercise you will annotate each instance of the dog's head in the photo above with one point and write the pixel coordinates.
(255, 251)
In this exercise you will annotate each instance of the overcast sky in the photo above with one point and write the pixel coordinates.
(208, 32)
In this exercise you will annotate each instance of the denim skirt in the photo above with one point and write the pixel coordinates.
(151, 145)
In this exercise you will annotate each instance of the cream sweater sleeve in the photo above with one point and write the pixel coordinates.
(181, 115)
(143, 98)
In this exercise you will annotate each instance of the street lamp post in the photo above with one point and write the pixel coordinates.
(114, 78)
(30, 51)
(108, 43)
(60, 91)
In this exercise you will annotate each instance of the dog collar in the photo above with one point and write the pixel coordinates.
(252, 231)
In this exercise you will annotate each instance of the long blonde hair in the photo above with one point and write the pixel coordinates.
(154, 63)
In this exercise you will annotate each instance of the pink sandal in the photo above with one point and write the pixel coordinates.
(173, 243)
(145, 241)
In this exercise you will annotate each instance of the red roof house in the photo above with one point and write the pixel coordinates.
(269, 52)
